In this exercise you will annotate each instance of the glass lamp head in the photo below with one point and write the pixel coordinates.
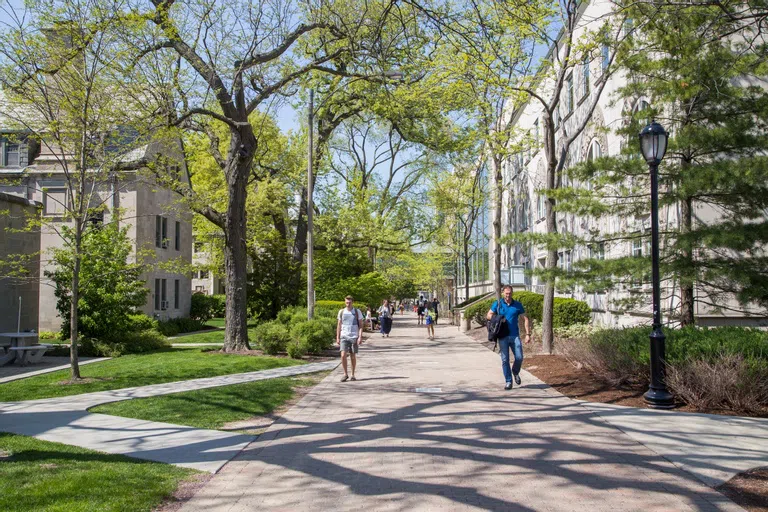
(653, 142)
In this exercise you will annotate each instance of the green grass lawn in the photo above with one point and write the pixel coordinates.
(139, 370)
(215, 322)
(46, 477)
(213, 336)
(213, 407)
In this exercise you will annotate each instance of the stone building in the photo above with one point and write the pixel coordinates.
(19, 263)
(523, 204)
(158, 224)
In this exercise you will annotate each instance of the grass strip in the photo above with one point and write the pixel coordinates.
(174, 364)
(52, 477)
(213, 408)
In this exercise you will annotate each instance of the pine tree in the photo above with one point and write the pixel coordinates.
(702, 75)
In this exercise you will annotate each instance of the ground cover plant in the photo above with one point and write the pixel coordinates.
(170, 365)
(43, 476)
(709, 368)
(211, 408)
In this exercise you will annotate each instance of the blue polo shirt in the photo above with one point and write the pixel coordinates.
(511, 312)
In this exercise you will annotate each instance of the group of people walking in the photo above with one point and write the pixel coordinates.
(351, 323)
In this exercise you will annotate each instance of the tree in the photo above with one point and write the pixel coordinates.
(62, 91)
(207, 67)
(700, 75)
(111, 287)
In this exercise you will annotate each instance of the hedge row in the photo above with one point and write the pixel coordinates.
(566, 311)
(469, 301)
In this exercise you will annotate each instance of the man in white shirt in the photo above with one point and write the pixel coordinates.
(349, 334)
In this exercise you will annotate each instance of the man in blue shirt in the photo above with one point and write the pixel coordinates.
(509, 337)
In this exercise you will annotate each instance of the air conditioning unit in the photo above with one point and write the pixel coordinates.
(164, 304)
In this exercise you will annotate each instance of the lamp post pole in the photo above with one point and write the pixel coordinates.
(657, 395)
(310, 212)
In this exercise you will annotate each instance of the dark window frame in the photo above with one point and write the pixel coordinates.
(177, 236)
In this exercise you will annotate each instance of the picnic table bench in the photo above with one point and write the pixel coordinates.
(18, 349)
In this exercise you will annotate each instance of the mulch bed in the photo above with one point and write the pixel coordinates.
(749, 489)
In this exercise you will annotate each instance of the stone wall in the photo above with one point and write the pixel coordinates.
(24, 247)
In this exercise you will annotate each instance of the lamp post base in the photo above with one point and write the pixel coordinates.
(659, 399)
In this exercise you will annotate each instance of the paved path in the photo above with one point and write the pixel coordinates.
(428, 427)
(66, 420)
(47, 364)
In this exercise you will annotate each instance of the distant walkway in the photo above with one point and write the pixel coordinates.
(48, 364)
(66, 420)
(427, 426)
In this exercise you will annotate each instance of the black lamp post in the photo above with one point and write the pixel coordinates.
(653, 143)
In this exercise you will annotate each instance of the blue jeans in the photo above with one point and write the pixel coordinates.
(517, 347)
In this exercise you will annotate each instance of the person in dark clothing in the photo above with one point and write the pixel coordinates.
(433, 306)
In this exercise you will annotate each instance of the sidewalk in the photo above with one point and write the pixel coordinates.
(66, 420)
(428, 427)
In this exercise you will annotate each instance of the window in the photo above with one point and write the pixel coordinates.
(541, 208)
(165, 233)
(157, 294)
(564, 261)
(606, 57)
(55, 201)
(158, 231)
(597, 251)
(569, 93)
(10, 155)
(177, 236)
(637, 246)
(163, 294)
(197, 247)
(585, 79)
(203, 274)
(536, 134)
(594, 152)
(176, 289)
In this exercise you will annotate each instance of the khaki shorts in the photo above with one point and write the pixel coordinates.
(349, 346)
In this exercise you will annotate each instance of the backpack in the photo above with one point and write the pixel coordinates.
(357, 315)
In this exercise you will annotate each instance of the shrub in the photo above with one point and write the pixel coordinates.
(272, 337)
(478, 311)
(329, 307)
(569, 312)
(532, 302)
(728, 382)
(48, 335)
(284, 316)
(142, 322)
(566, 311)
(315, 335)
(724, 367)
(469, 301)
(295, 349)
(220, 306)
(127, 343)
(204, 307)
(174, 326)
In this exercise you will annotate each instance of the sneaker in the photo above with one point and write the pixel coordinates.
(508, 386)
(352, 378)
(344, 378)
(517, 379)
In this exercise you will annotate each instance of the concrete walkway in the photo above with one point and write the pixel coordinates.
(66, 420)
(427, 426)
(47, 364)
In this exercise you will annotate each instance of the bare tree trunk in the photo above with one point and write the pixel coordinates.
(498, 192)
(235, 251)
(466, 268)
(686, 284)
(548, 311)
(73, 316)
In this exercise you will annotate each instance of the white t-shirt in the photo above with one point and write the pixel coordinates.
(348, 325)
